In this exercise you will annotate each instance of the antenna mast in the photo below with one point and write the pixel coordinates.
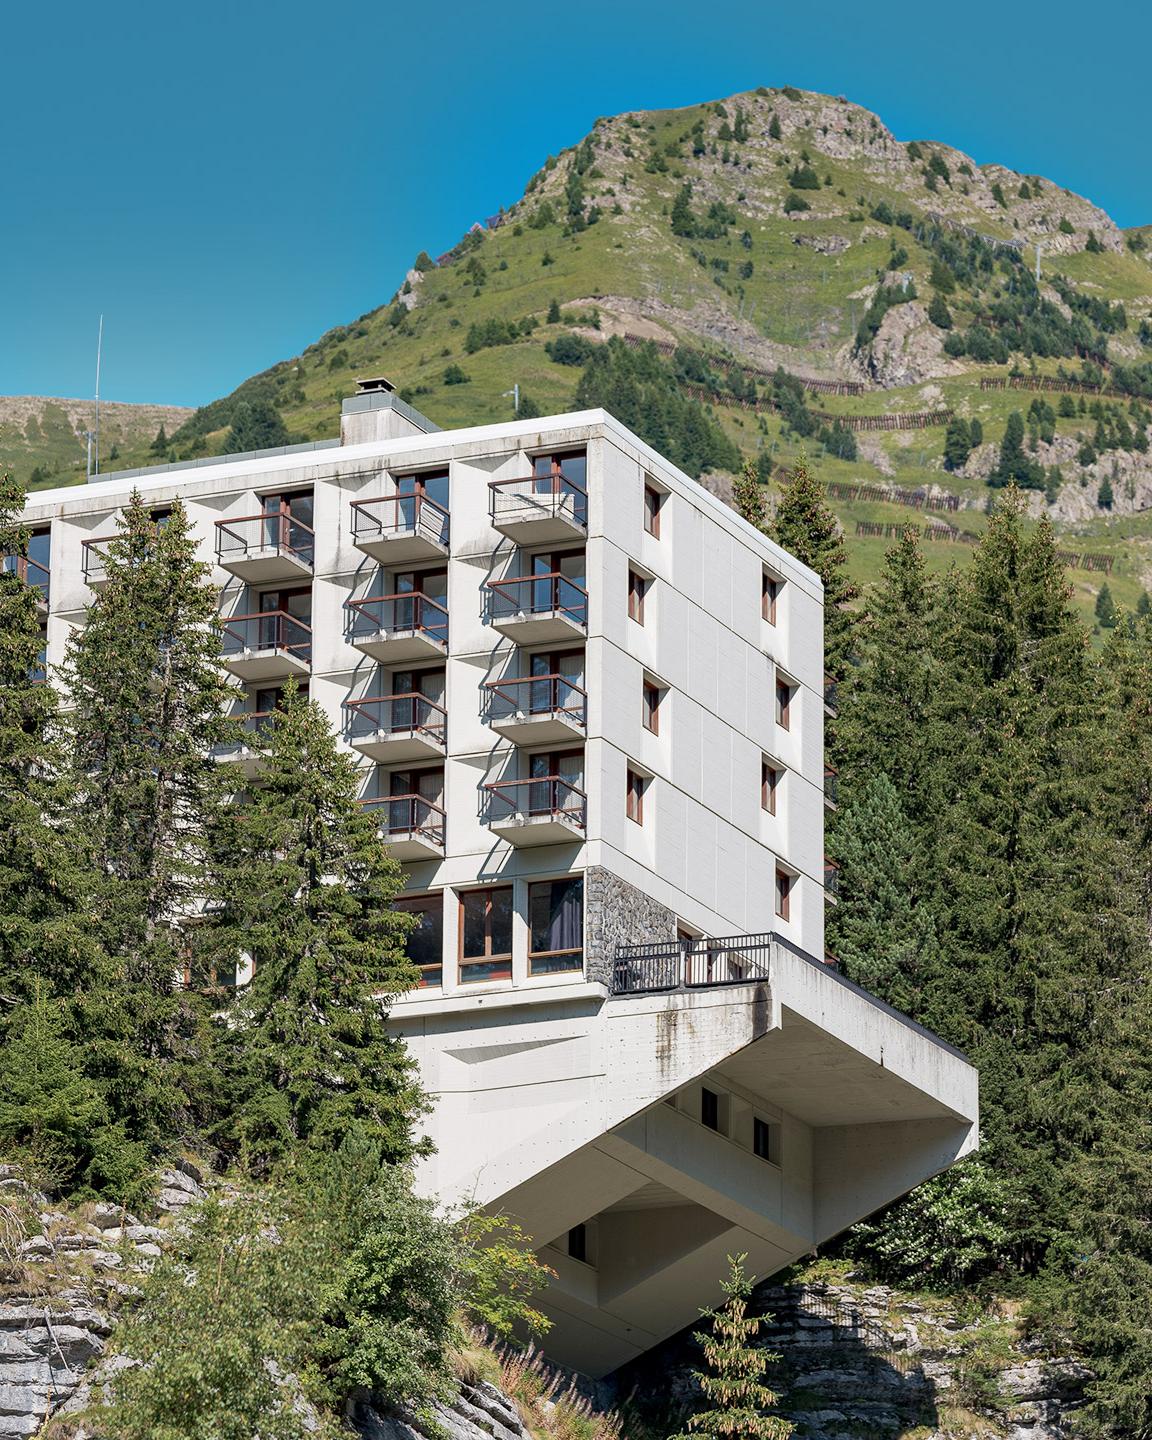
(99, 348)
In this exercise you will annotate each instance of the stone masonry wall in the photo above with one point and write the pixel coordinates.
(616, 913)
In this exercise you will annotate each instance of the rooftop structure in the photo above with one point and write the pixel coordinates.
(587, 700)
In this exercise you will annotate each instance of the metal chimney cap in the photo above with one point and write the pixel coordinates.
(374, 385)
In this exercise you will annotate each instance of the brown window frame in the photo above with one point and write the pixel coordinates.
(653, 504)
(419, 904)
(783, 893)
(784, 695)
(489, 957)
(769, 597)
(651, 699)
(636, 785)
(537, 955)
(770, 777)
(637, 594)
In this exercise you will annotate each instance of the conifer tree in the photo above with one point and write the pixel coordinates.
(747, 496)
(307, 889)
(805, 526)
(149, 695)
(1105, 608)
(44, 886)
(741, 1403)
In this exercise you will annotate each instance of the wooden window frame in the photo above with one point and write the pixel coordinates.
(414, 904)
(770, 777)
(635, 786)
(653, 504)
(488, 958)
(652, 697)
(534, 955)
(782, 897)
(637, 594)
(785, 693)
(770, 589)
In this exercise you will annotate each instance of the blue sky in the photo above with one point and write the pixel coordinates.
(227, 181)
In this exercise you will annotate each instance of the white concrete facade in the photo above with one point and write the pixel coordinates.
(602, 757)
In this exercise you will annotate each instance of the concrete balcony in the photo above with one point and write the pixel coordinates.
(412, 826)
(266, 549)
(539, 509)
(543, 811)
(399, 529)
(538, 609)
(36, 576)
(396, 628)
(542, 709)
(247, 749)
(96, 563)
(393, 728)
(266, 645)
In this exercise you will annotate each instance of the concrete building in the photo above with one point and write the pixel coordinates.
(588, 702)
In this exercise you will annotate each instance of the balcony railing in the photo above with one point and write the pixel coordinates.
(275, 531)
(551, 594)
(96, 560)
(404, 815)
(535, 695)
(831, 877)
(267, 630)
(412, 611)
(396, 516)
(831, 786)
(33, 574)
(398, 715)
(530, 498)
(691, 964)
(831, 695)
(547, 797)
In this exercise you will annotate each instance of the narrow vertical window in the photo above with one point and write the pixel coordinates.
(635, 800)
(578, 1243)
(784, 704)
(769, 786)
(769, 594)
(651, 707)
(637, 589)
(766, 1140)
(783, 893)
(653, 500)
(709, 1108)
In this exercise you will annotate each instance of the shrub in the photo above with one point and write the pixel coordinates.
(794, 204)
(456, 375)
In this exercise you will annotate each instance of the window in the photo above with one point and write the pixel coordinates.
(783, 893)
(486, 934)
(770, 777)
(769, 594)
(578, 1243)
(766, 1140)
(709, 1108)
(653, 500)
(784, 704)
(555, 926)
(637, 590)
(424, 944)
(651, 707)
(634, 806)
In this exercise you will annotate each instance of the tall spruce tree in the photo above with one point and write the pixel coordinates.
(149, 696)
(747, 495)
(45, 890)
(741, 1404)
(806, 527)
(307, 889)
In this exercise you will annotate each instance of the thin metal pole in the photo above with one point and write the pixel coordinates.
(99, 348)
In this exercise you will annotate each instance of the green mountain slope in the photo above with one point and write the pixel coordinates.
(42, 438)
(781, 228)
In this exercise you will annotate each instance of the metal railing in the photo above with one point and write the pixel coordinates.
(395, 515)
(535, 695)
(96, 559)
(545, 797)
(36, 576)
(272, 530)
(538, 497)
(691, 964)
(266, 630)
(405, 815)
(398, 614)
(397, 714)
(538, 595)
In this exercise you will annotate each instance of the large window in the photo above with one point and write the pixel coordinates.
(486, 934)
(555, 926)
(425, 943)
